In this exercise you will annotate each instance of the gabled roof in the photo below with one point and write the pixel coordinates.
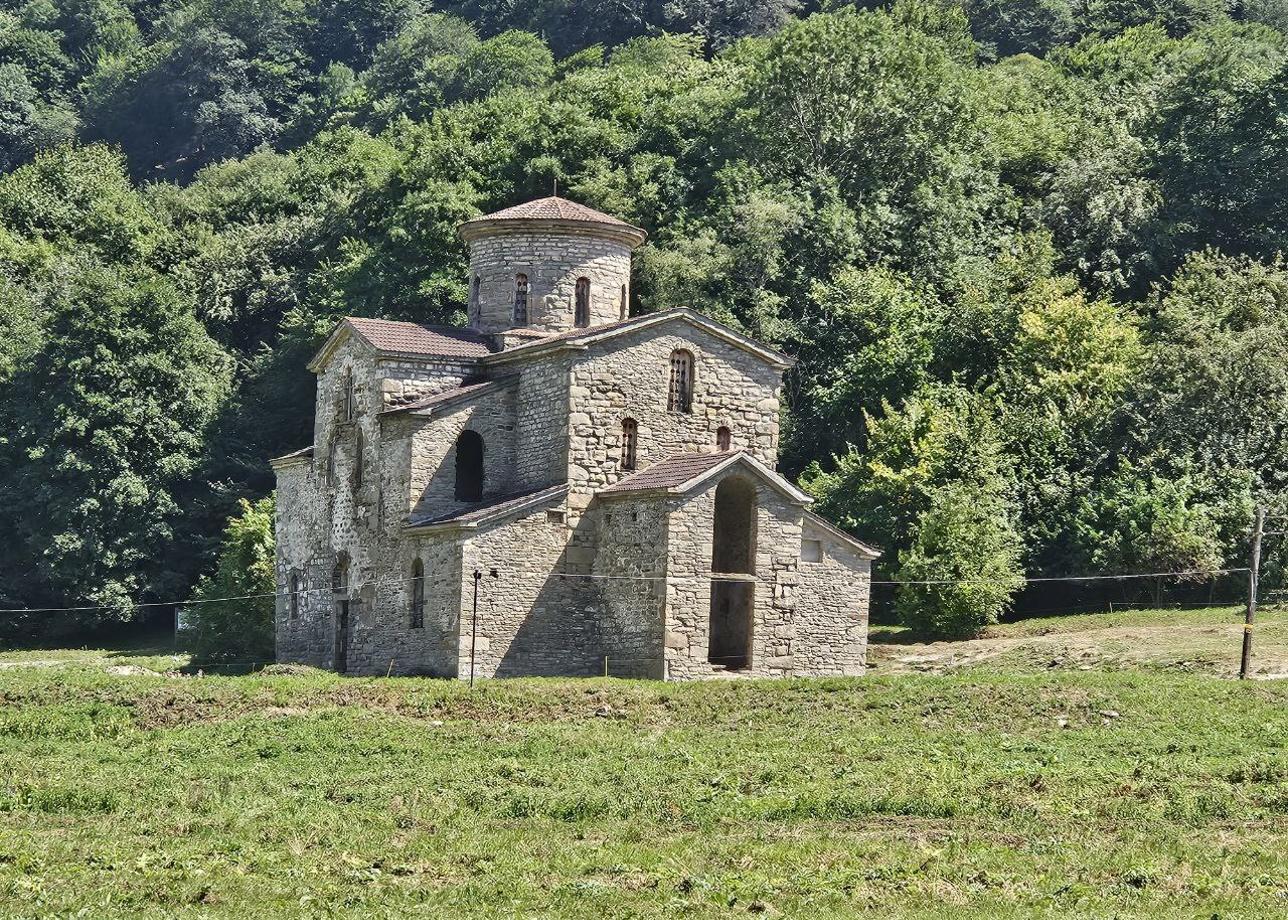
(553, 212)
(448, 398)
(580, 339)
(395, 338)
(682, 473)
(491, 510)
(863, 549)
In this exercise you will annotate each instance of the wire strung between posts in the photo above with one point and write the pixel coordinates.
(645, 578)
(1028, 581)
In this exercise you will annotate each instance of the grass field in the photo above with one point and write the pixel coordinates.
(1006, 787)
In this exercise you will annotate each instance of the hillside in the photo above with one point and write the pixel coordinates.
(1027, 256)
(998, 791)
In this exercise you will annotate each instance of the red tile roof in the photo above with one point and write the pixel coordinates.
(553, 208)
(415, 339)
(671, 472)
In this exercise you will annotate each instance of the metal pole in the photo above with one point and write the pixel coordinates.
(1245, 662)
(474, 628)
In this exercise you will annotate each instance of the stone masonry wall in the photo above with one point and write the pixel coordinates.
(432, 480)
(299, 550)
(832, 608)
(382, 640)
(530, 620)
(689, 547)
(553, 263)
(629, 376)
(631, 569)
(541, 424)
(403, 381)
(353, 517)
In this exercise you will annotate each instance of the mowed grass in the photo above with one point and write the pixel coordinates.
(983, 793)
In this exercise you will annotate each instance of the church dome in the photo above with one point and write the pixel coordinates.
(548, 266)
(549, 213)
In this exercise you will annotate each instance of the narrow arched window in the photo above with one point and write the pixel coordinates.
(330, 460)
(624, 307)
(350, 397)
(521, 299)
(630, 438)
(474, 298)
(293, 602)
(417, 594)
(469, 466)
(679, 397)
(582, 316)
(723, 438)
(359, 454)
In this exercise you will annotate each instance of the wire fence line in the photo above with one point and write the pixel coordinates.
(192, 602)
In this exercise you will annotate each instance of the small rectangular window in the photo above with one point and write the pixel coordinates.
(811, 551)
(555, 516)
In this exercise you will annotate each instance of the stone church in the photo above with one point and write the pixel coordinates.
(558, 489)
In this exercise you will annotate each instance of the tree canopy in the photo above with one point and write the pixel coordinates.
(1028, 254)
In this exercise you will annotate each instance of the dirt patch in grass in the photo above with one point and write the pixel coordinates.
(1204, 641)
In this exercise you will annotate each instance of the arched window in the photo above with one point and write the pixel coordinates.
(680, 395)
(350, 397)
(469, 466)
(417, 594)
(293, 602)
(521, 299)
(630, 437)
(723, 438)
(582, 316)
(359, 455)
(624, 306)
(474, 298)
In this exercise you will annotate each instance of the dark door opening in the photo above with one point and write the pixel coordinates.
(469, 466)
(340, 597)
(733, 568)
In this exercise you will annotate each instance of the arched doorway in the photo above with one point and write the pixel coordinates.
(733, 570)
(469, 466)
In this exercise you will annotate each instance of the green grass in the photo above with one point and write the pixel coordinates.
(987, 792)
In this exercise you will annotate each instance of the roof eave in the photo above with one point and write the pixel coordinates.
(868, 552)
(534, 500)
(624, 233)
(342, 331)
(524, 352)
(289, 460)
(771, 478)
(774, 358)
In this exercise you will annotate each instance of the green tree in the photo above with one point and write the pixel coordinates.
(232, 607)
(103, 429)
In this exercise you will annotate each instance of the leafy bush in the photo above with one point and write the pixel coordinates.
(965, 538)
(239, 629)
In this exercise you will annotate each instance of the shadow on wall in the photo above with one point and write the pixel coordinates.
(563, 622)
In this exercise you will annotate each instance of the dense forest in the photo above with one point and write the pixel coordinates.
(1027, 252)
